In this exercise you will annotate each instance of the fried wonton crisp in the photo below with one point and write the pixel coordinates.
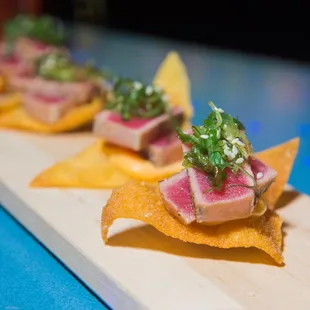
(91, 168)
(136, 200)
(102, 165)
(78, 117)
(141, 169)
(281, 158)
(172, 77)
(9, 101)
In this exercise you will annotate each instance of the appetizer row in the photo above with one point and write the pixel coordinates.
(55, 93)
(201, 184)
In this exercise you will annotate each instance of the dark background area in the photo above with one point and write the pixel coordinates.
(273, 27)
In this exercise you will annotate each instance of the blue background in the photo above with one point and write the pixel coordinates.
(270, 97)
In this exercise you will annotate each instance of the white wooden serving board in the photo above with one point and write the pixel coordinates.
(143, 269)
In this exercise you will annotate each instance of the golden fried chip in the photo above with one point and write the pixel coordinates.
(281, 158)
(172, 77)
(102, 165)
(90, 168)
(9, 101)
(82, 115)
(135, 200)
(141, 169)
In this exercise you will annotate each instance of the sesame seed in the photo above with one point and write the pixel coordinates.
(231, 157)
(237, 141)
(239, 160)
(228, 152)
(137, 85)
(240, 143)
(235, 150)
(165, 97)
(204, 136)
(226, 147)
(149, 90)
(259, 175)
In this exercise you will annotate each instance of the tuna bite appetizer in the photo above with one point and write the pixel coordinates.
(57, 87)
(139, 118)
(224, 196)
(136, 134)
(225, 179)
(29, 37)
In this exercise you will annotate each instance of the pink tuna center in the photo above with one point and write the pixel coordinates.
(12, 60)
(48, 99)
(227, 193)
(134, 122)
(38, 45)
(179, 195)
(24, 74)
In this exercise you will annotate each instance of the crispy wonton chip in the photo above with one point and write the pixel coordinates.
(172, 77)
(102, 165)
(138, 201)
(78, 117)
(91, 168)
(9, 101)
(281, 158)
(141, 169)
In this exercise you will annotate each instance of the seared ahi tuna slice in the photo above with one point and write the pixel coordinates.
(28, 49)
(47, 109)
(176, 195)
(231, 203)
(165, 150)
(23, 82)
(80, 91)
(264, 175)
(135, 134)
(11, 66)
